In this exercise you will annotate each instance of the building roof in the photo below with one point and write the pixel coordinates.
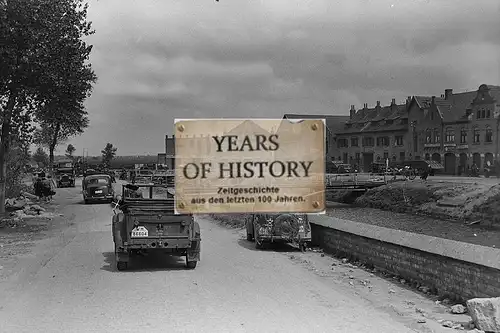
(454, 108)
(334, 123)
(377, 119)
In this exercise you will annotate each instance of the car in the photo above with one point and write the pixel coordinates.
(149, 224)
(279, 228)
(66, 180)
(97, 187)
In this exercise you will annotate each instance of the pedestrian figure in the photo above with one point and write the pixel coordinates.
(47, 191)
(38, 187)
(475, 170)
(425, 173)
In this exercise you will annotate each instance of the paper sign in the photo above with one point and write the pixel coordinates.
(249, 166)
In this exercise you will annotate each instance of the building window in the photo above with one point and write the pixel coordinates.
(402, 156)
(478, 114)
(342, 143)
(386, 156)
(354, 142)
(463, 135)
(450, 135)
(358, 157)
(345, 158)
(477, 134)
(378, 158)
(383, 141)
(483, 113)
(368, 141)
(489, 135)
(488, 114)
(427, 156)
(437, 136)
(428, 136)
(340, 158)
(399, 140)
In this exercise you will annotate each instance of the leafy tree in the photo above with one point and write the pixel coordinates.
(70, 150)
(108, 153)
(42, 47)
(41, 157)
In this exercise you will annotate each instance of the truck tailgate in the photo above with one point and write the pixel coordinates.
(160, 226)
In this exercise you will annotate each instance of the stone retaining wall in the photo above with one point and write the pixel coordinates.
(452, 269)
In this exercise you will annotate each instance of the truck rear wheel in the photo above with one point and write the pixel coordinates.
(191, 264)
(121, 265)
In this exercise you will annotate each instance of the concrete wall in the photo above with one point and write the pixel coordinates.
(453, 269)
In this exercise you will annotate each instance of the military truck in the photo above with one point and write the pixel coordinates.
(145, 221)
(65, 174)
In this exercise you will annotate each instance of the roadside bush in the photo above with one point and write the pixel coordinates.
(397, 198)
(16, 159)
(488, 210)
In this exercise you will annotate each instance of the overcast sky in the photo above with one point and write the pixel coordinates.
(166, 59)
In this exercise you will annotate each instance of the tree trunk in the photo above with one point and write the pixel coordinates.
(52, 146)
(4, 147)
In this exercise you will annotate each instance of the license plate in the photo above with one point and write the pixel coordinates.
(98, 191)
(138, 232)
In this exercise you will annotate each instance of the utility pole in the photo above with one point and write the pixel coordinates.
(498, 125)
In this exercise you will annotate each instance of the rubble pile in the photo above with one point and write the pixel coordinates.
(23, 207)
(485, 313)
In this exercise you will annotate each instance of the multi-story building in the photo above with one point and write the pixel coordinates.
(374, 134)
(458, 129)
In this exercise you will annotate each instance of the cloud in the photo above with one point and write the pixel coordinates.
(157, 60)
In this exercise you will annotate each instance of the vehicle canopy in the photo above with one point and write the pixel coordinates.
(152, 198)
(67, 171)
(423, 164)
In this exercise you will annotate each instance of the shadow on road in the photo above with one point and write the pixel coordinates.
(276, 247)
(150, 262)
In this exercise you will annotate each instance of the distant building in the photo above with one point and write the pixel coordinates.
(162, 158)
(460, 129)
(374, 134)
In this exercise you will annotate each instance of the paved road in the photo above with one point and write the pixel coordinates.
(234, 288)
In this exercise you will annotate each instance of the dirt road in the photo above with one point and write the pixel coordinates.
(69, 284)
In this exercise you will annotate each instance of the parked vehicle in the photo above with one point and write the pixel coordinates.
(97, 187)
(378, 167)
(89, 172)
(420, 165)
(283, 228)
(492, 169)
(337, 167)
(142, 225)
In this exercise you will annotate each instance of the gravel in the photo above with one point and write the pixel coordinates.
(418, 224)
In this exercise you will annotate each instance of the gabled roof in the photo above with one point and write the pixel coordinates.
(375, 119)
(454, 108)
(334, 123)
